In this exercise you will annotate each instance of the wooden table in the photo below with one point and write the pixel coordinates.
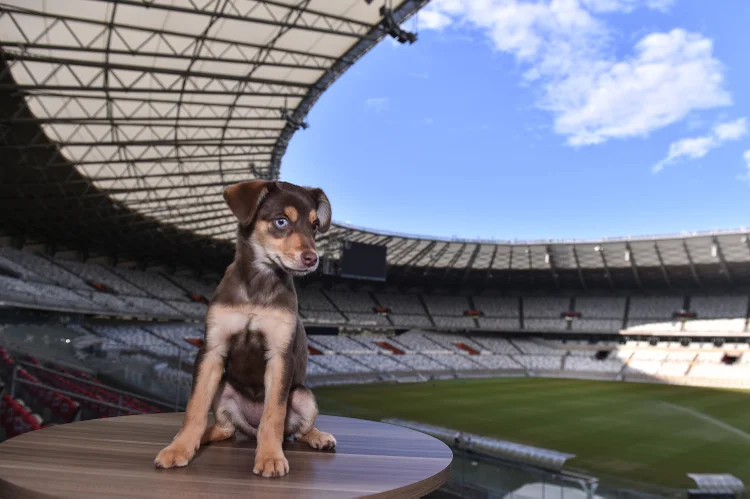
(112, 458)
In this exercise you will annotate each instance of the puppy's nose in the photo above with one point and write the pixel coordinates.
(309, 258)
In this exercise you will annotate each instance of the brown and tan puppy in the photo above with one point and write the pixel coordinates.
(251, 368)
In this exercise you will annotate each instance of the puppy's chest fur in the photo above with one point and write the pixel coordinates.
(246, 363)
(260, 332)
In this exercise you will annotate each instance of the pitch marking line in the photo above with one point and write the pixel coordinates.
(709, 419)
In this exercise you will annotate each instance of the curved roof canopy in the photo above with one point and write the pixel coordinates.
(156, 105)
(716, 258)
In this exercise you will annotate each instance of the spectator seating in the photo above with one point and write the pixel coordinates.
(95, 273)
(497, 361)
(446, 305)
(496, 345)
(591, 364)
(497, 306)
(322, 317)
(48, 283)
(533, 348)
(534, 324)
(360, 319)
(457, 362)
(313, 299)
(601, 308)
(420, 362)
(500, 323)
(587, 325)
(315, 369)
(347, 301)
(544, 308)
(340, 344)
(719, 307)
(382, 363)
(415, 341)
(42, 269)
(650, 367)
(410, 320)
(16, 418)
(188, 309)
(654, 307)
(652, 326)
(137, 338)
(460, 323)
(451, 341)
(177, 332)
(540, 362)
(401, 303)
(152, 283)
(341, 364)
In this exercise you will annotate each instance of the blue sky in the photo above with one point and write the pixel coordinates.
(514, 119)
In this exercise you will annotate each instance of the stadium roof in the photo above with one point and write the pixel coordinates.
(124, 119)
(717, 258)
(121, 121)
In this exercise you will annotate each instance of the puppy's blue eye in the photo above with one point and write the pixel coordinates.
(281, 223)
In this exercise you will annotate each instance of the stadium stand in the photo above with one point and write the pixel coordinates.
(578, 363)
(98, 274)
(340, 344)
(495, 306)
(446, 305)
(402, 304)
(64, 284)
(410, 321)
(719, 307)
(34, 266)
(151, 283)
(47, 393)
(204, 288)
(341, 364)
(352, 302)
(654, 307)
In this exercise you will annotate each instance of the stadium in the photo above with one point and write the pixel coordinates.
(615, 367)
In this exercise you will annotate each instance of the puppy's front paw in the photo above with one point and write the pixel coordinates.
(174, 456)
(271, 465)
(322, 441)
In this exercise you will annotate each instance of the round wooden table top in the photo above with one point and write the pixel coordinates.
(109, 458)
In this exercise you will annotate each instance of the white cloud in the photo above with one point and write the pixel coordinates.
(594, 96)
(626, 5)
(378, 105)
(433, 19)
(698, 147)
(670, 75)
(731, 130)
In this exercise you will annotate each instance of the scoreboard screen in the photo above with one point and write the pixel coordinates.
(363, 261)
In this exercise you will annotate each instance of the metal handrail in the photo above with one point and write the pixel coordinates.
(73, 395)
(98, 385)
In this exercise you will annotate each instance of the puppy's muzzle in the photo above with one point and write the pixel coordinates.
(309, 259)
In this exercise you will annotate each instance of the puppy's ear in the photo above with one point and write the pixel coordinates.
(244, 198)
(323, 207)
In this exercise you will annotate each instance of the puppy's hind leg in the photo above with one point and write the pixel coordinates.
(303, 410)
(223, 427)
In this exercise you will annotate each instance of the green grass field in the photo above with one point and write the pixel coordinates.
(644, 432)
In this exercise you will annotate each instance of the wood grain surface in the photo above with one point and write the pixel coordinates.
(113, 458)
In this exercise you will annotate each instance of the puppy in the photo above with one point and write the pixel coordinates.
(251, 368)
